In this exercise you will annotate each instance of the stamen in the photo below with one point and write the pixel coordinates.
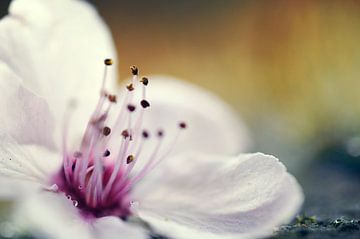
(66, 160)
(160, 133)
(125, 133)
(144, 80)
(131, 108)
(145, 134)
(182, 125)
(129, 159)
(136, 131)
(145, 103)
(80, 170)
(112, 98)
(132, 165)
(106, 131)
(107, 153)
(134, 70)
(102, 182)
(108, 62)
(94, 119)
(151, 160)
(152, 163)
(118, 165)
(130, 87)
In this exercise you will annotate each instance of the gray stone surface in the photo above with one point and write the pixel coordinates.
(332, 188)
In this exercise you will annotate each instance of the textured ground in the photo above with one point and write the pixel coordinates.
(332, 206)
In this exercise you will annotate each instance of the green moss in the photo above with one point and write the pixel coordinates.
(311, 227)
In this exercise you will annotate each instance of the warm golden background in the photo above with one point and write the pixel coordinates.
(291, 68)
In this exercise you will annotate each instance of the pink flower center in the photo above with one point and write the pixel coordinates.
(99, 176)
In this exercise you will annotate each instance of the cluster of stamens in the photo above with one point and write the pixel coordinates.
(98, 176)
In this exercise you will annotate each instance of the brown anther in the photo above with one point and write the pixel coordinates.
(130, 159)
(145, 103)
(131, 108)
(130, 87)
(125, 133)
(106, 131)
(182, 125)
(108, 62)
(134, 70)
(145, 134)
(112, 98)
(144, 80)
(160, 133)
(107, 153)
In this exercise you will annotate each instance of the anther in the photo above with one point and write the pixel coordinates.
(112, 98)
(182, 125)
(106, 131)
(130, 159)
(125, 133)
(145, 103)
(108, 62)
(130, 87)
(144, 80)
(131, 108)
(160, 133)
(145, 134)
(107, 153)
(134, 70)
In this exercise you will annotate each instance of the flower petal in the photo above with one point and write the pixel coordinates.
(24, 116)
(201, 196)
(112, 227)
(11, 189)
(213, 126)
(25, 168)
(50, 215)
(57, 48)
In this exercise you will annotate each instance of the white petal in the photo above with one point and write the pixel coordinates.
(11, 189)
(114, 228)
(213, 126)
(24, 116)
(50, 215)
(201, 196)
(25, 168)
(57, 48)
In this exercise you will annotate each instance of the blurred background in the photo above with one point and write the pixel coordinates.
(290, 68)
